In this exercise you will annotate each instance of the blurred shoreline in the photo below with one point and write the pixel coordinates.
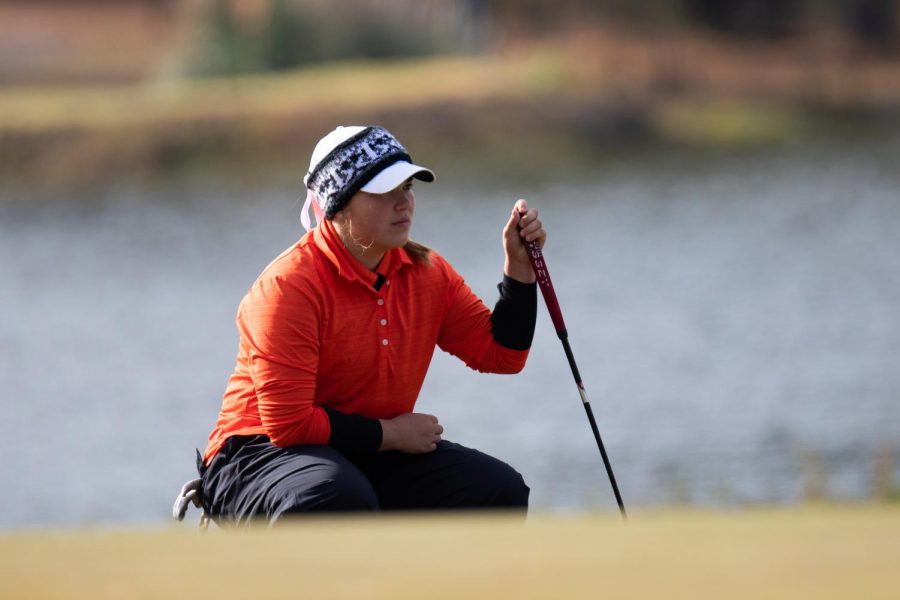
(573, 96)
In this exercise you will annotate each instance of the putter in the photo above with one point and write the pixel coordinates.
(543, 278)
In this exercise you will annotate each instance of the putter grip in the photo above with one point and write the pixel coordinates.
(543, 278)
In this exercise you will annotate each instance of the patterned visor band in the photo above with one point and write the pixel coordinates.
(351, 165)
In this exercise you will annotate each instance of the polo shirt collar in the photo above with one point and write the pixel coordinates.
(330, 244)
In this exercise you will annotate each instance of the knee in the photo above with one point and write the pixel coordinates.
(511, 490)
(488, 482)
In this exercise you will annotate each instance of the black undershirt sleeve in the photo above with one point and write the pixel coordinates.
(515, 313)
(353, 434)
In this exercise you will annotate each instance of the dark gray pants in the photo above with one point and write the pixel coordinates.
(251, 478)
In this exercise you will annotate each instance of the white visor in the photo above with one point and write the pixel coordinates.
(394, 175)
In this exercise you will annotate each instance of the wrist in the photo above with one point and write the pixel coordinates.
(521, 272)
(387, 435)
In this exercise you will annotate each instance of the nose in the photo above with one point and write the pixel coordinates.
(404, 199)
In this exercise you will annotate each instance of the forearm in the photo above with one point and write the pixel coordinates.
(515, 314)
(288, 422)
(354, 434)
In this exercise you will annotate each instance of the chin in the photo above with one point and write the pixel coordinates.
(399, 239)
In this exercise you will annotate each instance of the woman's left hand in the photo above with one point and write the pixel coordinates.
(523, 226)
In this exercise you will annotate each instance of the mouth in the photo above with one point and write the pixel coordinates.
(402, 222)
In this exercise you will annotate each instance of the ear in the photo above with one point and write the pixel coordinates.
(342, 217)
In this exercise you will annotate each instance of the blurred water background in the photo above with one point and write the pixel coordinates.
(721, 190)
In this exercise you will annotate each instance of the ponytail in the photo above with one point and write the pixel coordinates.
(418, 252)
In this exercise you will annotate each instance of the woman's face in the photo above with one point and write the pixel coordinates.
(376, 223)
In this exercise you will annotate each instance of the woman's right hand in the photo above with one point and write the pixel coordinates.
(413, 433)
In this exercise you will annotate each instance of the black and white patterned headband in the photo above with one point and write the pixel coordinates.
(351, 165)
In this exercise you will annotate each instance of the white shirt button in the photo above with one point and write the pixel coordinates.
(384, 321)
(384, 342)
(380, 301)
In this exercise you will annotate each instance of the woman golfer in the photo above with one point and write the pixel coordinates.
(336, 336)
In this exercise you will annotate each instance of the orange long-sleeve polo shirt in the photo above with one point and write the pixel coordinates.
(315, 333)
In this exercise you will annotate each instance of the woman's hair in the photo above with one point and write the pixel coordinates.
(418, 252)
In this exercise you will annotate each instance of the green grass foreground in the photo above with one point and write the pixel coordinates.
(815, 552)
